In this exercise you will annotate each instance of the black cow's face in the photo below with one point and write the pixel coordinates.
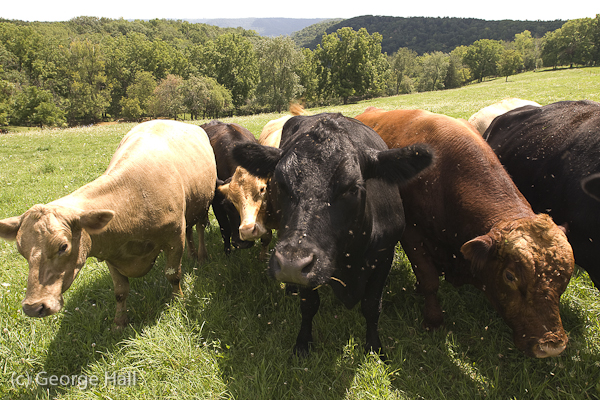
(322, 194)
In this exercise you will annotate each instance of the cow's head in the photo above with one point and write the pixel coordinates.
(250, 196)
(525, 267)
(320, 174)
(55, 241)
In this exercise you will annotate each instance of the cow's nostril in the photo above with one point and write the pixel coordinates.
(308, 263)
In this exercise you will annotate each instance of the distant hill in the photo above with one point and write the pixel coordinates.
(263, 26)
(425, 35)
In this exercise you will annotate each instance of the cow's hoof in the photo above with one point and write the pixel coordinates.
(121, 322)
(301, 350)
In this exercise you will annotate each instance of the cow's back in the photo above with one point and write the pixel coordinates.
(182, 160)
(484, 117)
(468, 170)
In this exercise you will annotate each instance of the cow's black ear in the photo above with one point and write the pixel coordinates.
(257, 159)
(401, 165)
(591, 186)
(478, 251)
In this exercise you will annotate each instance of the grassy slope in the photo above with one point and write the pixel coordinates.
(231, 335)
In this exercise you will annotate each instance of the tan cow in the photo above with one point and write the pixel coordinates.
(484, 117)
(271, 133)
(159, 183)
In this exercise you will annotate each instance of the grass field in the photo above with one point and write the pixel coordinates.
(231, 335)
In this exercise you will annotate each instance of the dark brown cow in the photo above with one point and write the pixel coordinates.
(223, 137)
(465, 219)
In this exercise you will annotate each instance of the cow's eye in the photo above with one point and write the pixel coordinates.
(63, 248)
(509, 276)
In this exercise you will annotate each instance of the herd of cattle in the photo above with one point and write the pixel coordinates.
(508, 201)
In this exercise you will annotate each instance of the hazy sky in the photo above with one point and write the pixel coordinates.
(63, 10)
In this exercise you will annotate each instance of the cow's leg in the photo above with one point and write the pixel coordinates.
(309, 305)
(121, 285)
(223, 219)
(200, 254)
(265, 240)
(189, 236)
(200, 228)
(428, 281)
(371, 302)
(173, 262)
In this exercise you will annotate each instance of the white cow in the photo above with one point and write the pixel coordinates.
(484, 117)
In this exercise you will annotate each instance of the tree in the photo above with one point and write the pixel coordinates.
(571, 44)
(482, 58)
(89, 92)
(36, 107)
(526, 46)
(278, 60)
(510, 63)
(203, 95)
(7, 90)
(349, 63)
(235, 65)
(139, 97)
(434, 67)
(168, 100)
(402, 65)
(308, 79)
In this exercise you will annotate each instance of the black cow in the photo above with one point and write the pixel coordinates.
(223, 137)
(341, 212)
(553, 156)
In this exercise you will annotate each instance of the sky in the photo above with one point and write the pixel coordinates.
(63, 10)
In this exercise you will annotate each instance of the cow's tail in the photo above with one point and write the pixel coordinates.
(297, 109)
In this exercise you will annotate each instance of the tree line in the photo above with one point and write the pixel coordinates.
(92, 69)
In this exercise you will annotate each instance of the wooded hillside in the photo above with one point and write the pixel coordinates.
(425, 35)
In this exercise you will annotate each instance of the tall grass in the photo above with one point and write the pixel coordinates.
(231, 335)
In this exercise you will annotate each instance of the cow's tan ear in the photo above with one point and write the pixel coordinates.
(478, 251)
(224, 189)
(95, 221)
(9, 227)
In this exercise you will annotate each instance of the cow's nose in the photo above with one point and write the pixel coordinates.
(35, 310)
(294, 269)
(550, 346)
(251, 231)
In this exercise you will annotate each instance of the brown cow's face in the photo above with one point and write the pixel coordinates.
(525, 270)
(248, 194)
(54, 242)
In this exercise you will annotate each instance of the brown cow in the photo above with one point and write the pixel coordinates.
(465, 219)
(159, 183)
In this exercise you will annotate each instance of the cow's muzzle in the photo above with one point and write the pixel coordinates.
(292, 268)
(550, 345)
(42, 308)
(251, 231)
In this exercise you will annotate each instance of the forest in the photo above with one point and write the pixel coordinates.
(89, 69)
(427, 34)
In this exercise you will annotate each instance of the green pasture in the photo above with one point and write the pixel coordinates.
(231, 335)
